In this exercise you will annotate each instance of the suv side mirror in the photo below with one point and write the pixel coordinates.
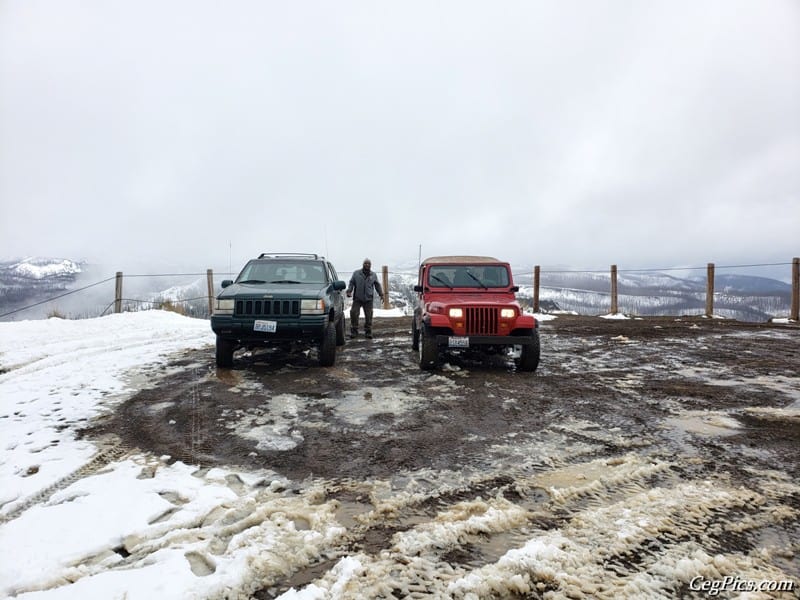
(226, 282)
(339, 285)
(514, 288)
(418, 288)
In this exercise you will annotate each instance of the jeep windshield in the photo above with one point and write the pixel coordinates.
(282, 272)
(468, 276)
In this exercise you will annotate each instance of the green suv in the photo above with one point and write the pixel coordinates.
(280, 298)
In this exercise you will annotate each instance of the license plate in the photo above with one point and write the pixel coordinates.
(458, 342)
(266, 326)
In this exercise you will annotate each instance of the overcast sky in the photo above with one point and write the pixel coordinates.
(644, 134)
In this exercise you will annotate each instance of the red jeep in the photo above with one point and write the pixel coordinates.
(469, 302)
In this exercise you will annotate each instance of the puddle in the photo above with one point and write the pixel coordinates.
(705, 423)
(349, 512)
(481, 550)
(575, 475)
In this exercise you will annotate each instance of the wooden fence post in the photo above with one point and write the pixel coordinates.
(710, 291)
(614, 305)
(385, 287)
(536, 276)
(210, 279)
(795, 316)
(118, 293)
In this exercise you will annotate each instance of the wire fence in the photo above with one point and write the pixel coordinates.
(582, 291)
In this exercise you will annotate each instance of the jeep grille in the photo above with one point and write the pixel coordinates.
(267, 308)
(482, 321)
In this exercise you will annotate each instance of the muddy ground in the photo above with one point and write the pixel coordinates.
(651, 417)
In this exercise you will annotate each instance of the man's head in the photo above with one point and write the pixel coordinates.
(367, 265)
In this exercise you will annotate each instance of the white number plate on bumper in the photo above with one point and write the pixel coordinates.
(266, 326)
(458, 342)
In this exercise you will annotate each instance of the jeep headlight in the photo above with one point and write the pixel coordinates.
(456, 313)
(507, 313)
(223, 307)
(312, 307)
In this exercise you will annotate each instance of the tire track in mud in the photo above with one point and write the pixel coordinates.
(477, 481)
(462, 541)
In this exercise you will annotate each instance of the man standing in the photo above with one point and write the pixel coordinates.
(363, 282)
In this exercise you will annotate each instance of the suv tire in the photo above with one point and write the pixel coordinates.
(414, 334)
(428, 350)
(327, 348)
(529, 357)
(224, 353)
(340, 338)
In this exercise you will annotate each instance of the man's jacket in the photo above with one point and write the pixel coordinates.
(362, 286)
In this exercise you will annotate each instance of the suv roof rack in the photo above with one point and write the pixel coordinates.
(289, 255)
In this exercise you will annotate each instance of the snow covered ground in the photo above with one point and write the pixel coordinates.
(93, 519)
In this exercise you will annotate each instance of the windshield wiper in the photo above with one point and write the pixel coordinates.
(480, 283)
(285, 281)
(442, 281)
(252, 281)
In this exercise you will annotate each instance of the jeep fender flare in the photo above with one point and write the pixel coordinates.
(437, 321)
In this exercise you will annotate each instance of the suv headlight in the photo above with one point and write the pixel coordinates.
(507, 313)
(456, 313)
(312, 307)
(223, 307)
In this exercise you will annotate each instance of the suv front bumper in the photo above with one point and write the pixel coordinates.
(233, 328)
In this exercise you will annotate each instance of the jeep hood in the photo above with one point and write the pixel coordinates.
(470, 299)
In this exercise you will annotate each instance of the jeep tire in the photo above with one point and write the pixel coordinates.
(327, 348)
(414, 335)
(428, 350)
(529, 356)
(225, 350)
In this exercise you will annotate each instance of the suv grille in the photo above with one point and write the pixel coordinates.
(482, 321)
(267, 308)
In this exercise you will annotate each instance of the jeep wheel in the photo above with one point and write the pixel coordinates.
(340, 331)
(414, 334)
(225, 350)
(529, 357)
(327, 348)
(428, 350)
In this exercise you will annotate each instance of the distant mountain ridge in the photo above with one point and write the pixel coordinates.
(24, 282)
(41, 268)
(32, 279)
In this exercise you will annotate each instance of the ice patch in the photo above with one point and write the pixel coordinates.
(272, 427)
(359, 406)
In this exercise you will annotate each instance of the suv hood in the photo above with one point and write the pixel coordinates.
(275, 290)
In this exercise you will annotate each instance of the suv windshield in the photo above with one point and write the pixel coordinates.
(275, 271)
(461, 276)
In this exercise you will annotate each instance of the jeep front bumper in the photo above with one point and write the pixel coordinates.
(470, 341)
